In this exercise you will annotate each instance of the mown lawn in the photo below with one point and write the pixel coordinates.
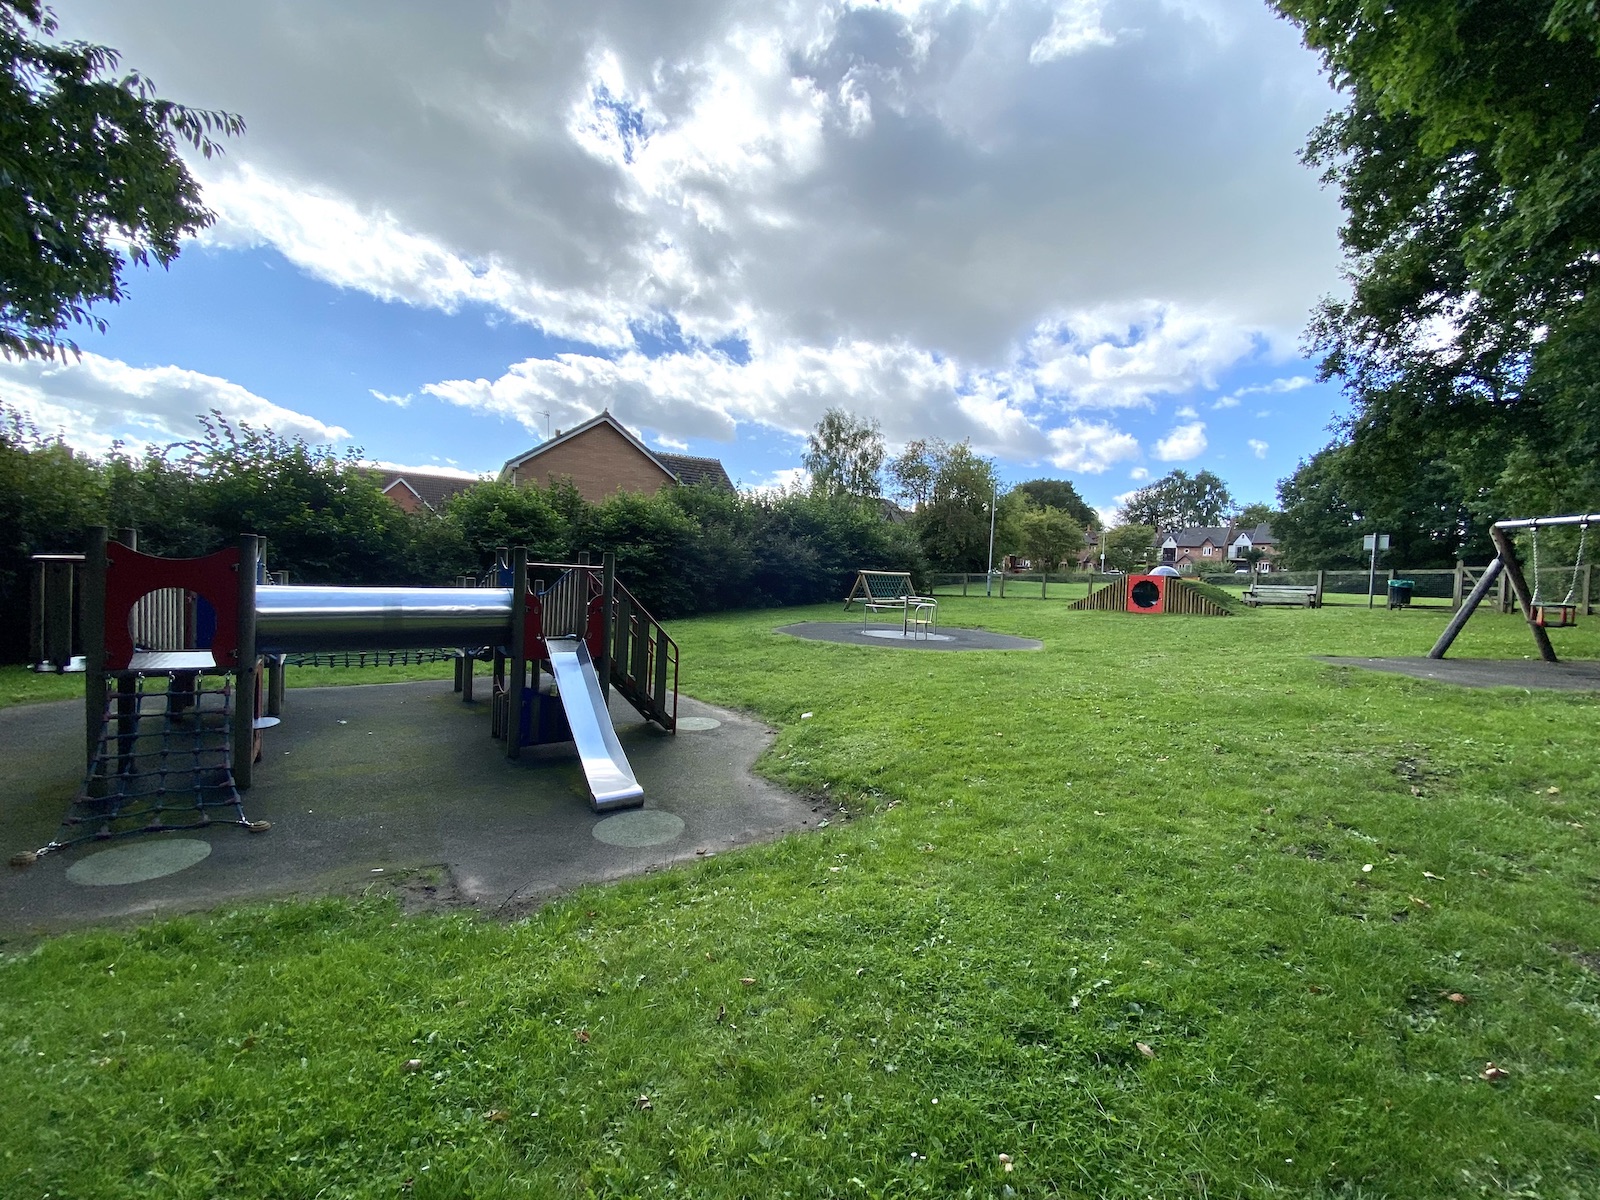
(1164, 909)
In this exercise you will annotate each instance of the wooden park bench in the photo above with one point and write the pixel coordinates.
(1306, 596)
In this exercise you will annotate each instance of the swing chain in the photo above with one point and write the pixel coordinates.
(1537, 601)
(1577, 566)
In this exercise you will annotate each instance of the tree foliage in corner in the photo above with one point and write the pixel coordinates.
(90, 177)
(1467, 158)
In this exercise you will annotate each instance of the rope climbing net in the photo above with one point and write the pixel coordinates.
(162, 762)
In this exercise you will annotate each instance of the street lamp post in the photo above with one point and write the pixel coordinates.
(988, 580)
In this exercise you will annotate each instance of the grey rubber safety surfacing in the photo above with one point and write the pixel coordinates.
(643, 827)
(697, 724)
(850, 633)
(1568, 676)
(137, 862)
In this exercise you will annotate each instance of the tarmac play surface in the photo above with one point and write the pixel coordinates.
(1486, 672)
(852, 633)
(393, 784)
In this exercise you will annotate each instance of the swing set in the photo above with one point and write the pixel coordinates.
(1541, 612)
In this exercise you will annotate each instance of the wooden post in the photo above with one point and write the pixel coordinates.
(1322, 580)
(1458, 586)
(1044, 585)
(1002, 583)
(608, 596)
(1457, 622)
(244, 675)
(963, 583)
(276, 669)
(469, 667)
(92, 623)
(1519, 585)
(517, 668)
(1588, 572)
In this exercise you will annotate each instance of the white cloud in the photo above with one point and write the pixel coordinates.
(94, 401)
(1074, 28)
(1139, 473)
(1092, 448)
(397, 401)
(432, 468)
(1260, 447)
(789, 479)
(1276, 388)
(1183, 443)
(978, 220)
(1187, 412)
(776, 171)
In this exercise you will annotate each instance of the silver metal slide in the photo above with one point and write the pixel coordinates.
(611, 780)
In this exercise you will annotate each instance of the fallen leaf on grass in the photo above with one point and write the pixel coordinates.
(1458, 998)
(413, 1064)
(1552, 791)
(1419, 901)
(747, 981)
(1493, 1073)
(1415, 790)
(582, 1035)
(1145, 1050)
(1005, 1161)
(1432, 876)
(643, 1104)
(495, 1114)
(722, 1013)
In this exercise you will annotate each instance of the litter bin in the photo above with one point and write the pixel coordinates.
(1400, 592)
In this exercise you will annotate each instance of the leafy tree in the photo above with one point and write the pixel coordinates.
(844, 454)
(49, 496)
(492, 515)
(1346, 491)
(1059, 493)
(1252, 515)
(1178, 501)
(916, 469)
(90, 177)
(1128, 547)
(322, 513)
(1048, 537)
(1466, 157)
(953, 524)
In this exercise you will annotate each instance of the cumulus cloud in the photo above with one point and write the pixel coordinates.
(1259, 447)
(982, 220)
(1139, 473)
(397, 401)
(1183, 443)
(94, 401)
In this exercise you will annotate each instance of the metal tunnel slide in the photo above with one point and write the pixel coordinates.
(611, 778)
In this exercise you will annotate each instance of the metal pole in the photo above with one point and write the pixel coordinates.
(1372, 571)
(608, 595)
(988, 582)
(1546, 522)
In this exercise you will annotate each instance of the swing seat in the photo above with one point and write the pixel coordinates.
(1555, 616)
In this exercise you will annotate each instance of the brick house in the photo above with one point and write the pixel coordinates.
(416, 491)
(601, 457)
(1216, 547)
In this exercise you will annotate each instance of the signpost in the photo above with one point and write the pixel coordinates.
(1373, 542)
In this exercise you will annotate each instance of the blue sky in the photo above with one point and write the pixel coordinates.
(1076, 234)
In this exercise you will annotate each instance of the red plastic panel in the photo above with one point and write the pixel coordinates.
(130, 576)
(1147, 593)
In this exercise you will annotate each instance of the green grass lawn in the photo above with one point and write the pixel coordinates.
(1163, 909)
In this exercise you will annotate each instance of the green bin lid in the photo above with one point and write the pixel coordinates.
(1402, 583)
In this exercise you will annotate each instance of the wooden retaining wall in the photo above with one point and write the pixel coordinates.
(1181, 599)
